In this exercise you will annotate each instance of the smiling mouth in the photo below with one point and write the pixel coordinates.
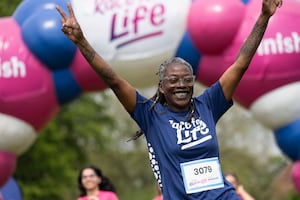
(181, 95)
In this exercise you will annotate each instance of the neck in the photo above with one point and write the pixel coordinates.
(92, 192)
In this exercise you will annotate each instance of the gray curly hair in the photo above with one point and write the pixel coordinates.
(168, 62)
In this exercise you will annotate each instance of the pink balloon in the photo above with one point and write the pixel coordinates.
(211, 68)
(213, 24)
(86, 77)
(27, 89)
(296, 175)
(7, 166)
(276, 62)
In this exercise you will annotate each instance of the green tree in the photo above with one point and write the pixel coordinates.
(49, 169)
(7, 7)
(84, 132)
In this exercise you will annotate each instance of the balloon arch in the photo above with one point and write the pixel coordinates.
(40, 69)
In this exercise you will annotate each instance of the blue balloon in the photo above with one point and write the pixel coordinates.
(245, 1)
(66, 86)
(28, 7)
(43, 36)
(11, 190)
(187, 51)
(25, 9)
(288, 139)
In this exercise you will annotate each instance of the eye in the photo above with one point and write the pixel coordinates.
(173, 80)
(189, 79)
(88, 176)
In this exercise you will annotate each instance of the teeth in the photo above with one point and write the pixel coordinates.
(181, 95)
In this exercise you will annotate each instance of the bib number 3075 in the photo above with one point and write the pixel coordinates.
(202, 175)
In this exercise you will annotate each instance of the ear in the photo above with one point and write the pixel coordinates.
(160, 87)
(99, 180)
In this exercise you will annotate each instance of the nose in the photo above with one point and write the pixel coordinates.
(181, 82)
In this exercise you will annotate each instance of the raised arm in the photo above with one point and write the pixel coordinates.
(232, 76)
(122, 89)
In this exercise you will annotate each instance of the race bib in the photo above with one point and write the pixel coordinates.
(202, 175)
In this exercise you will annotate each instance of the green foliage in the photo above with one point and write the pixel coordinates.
(7, 7)
(85, 132)
(52, 163)
(252, 174)
(245, 148)
(293, 195)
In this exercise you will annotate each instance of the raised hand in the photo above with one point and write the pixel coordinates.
(70, 26)
(269, 6)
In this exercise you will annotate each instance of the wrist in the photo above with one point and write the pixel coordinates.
(263, 19)
(80, 42)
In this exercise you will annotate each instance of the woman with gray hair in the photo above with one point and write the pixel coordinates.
(180, 129)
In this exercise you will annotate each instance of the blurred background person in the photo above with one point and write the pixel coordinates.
(94, 186)
(233, 179)
(159, 195)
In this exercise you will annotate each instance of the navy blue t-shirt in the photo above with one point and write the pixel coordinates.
(173, 142)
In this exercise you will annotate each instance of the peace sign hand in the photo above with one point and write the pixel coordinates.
(70, 26)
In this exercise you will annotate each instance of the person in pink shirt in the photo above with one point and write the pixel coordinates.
(94, 186)
(159, 195)
(233, 179)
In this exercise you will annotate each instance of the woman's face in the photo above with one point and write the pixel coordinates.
(90, 180)
(177, 86)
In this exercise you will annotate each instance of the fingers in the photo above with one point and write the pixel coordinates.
(62, 13)
(66, 30)
(71, 12)
(279, 3)
(68, 23)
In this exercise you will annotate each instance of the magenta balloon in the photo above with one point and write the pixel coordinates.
(86, 77)
(211, 68)
(296, 175)
(7, 166)
(276, 62)
(213, 24)
(27, 89)
(290, 7)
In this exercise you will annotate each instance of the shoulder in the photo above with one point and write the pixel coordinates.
(140, 97)
(212, 93)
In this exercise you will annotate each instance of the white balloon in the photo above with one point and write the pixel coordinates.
(16, 135)
(134, 36)
(278, 107)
